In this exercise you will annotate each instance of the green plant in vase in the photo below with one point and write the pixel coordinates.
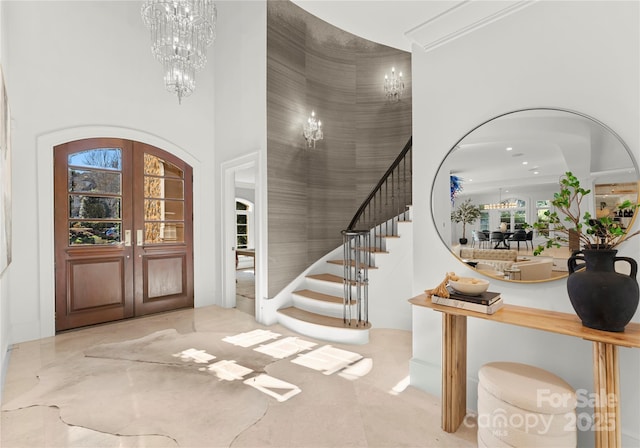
(603, 298)
(593, 233)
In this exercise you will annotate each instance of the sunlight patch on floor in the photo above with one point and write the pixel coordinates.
(400, 387)
(191, 354)
(251, 338)
(285, 347)
(278, 389)
(228, 370)
(357, 370)
(327, 359)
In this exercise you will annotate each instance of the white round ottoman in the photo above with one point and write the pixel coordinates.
(524, 406)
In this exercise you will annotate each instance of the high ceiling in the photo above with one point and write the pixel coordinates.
(399, 23)
(528, 149)
(384, 22)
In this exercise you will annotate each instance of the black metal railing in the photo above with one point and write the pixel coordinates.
(377, 218)
(388, 201)
(357, 260)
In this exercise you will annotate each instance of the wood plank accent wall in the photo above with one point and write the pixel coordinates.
(314, 193)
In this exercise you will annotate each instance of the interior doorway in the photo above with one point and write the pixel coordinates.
(245, 242)
(123, 231)
(241, 233)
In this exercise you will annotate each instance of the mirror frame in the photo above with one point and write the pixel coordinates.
(530, 109)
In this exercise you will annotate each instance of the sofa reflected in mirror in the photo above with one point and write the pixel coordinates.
(509, 167)
(508, 264)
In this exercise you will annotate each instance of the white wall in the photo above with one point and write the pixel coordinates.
(241, 110)
(582, 56)
(4, 283)
(81, 67)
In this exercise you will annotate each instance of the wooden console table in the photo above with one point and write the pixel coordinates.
(605, 360)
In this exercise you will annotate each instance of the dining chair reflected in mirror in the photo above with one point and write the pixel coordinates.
(497, 238)
(519, 236)
(481, 238)
(529, 239)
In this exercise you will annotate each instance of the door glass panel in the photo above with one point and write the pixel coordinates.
(156, 166)
(158, 187)
(155, 210)
(158, 233)
(87, 232)
(95, 218)
(95, 181)
(163, 202)
(92, 207)
(107, 158)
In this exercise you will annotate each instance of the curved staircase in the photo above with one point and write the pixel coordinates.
(316, 302)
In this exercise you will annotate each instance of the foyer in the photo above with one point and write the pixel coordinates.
(151, 400)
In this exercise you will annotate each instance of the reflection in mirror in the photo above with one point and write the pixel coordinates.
(509, 167)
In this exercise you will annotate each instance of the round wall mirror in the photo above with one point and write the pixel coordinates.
(509, 167)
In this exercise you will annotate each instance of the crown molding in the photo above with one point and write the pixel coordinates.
(463, 18)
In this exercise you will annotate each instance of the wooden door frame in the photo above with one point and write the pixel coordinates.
(46, 275)
(228, 243)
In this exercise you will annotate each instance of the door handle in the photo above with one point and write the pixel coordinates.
(127, 237)
(139, 238)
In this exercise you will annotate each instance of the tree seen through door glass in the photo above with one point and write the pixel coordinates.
(95, 218)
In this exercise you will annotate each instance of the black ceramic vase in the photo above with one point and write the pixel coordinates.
(602, 298)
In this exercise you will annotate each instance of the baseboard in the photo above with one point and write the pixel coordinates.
(5, 368)
(425, 376)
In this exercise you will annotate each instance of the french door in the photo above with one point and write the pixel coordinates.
(123, 231)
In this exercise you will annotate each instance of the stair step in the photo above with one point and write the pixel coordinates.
(318, 319)
(330, 278)
(341, 262)
(319, 296)
(327, 278)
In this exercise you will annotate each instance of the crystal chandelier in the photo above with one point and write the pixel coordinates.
(312, 130)
(181, 31)
(393, 86)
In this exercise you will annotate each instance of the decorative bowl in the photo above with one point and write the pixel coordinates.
(469, 285)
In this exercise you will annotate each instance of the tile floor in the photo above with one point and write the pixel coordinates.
(62, 392)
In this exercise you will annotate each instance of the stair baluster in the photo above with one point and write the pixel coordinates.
(357, 258)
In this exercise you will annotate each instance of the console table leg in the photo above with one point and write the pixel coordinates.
(454, 371)
(606, 378)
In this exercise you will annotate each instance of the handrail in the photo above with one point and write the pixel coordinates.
(381, 182)
(377, 219)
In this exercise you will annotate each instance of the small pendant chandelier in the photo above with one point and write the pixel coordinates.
(181, 31)
(393, 86)
(312, 130)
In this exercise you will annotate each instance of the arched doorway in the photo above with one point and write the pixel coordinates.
(123, 231)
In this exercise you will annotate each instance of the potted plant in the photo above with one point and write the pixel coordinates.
(603, 298)
(466, 213)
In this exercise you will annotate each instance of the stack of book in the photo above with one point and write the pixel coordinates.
(488, 302)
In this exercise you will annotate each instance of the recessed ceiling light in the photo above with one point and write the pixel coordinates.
(536, 172)
(509, 148)
(525, 163)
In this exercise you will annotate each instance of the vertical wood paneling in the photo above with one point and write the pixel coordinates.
(314, 193)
